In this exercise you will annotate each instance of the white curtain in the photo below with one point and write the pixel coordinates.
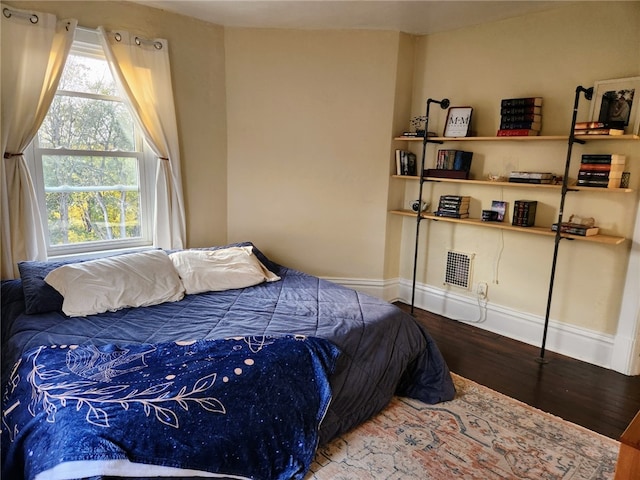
(34, 49)
(143, 70)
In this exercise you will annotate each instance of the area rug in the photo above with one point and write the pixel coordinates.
(481, 434)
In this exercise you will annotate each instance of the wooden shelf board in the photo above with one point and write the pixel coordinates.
(520, 139)
(546, 231)
(515, 185)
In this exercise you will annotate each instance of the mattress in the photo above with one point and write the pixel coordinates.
(383, 350)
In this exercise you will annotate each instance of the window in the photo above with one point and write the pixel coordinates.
(92, 173)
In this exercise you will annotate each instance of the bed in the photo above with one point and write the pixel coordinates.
(240, 382)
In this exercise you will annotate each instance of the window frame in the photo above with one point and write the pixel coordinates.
(87, 42)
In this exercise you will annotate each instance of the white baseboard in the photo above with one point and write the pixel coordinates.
(586, 345)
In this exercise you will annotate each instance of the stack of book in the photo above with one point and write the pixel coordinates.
(453, 206)
(524, 213)
(601, 170)
(576, 229)
(531, 177)
(520, 117)
(597, 128)
(406, 163)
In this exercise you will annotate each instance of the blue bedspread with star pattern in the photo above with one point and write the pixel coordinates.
(243, 407)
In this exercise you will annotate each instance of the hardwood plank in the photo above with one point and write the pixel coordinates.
(594, 397)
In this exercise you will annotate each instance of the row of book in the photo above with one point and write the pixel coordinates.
(406, 163)
(524, 214)
(602, 171)
(520, 117)
(598, 128)
(448, 159)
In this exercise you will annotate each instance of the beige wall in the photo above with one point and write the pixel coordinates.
(310, 118)
(545, 54)
(286, 140)
(196, 51)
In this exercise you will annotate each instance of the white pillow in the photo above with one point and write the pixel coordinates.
(109, 284)
(222, 269)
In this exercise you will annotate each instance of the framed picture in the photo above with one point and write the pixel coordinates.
(617, 103)
(458, 122)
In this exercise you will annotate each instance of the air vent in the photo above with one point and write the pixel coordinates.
(458, 273)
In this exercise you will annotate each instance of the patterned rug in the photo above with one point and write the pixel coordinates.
(481, 434)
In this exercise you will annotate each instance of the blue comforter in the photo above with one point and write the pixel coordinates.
(384, 351)
(76, 403)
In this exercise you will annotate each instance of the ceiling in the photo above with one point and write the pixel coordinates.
(418, 17)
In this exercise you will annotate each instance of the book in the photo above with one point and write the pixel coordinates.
(607, 158)
(604, 183)
(450, 215)
(524, 213)
(536, 175)
(521, 111)
(521, 102)
(599, 131)
(521, 117)
(507, 125)
(540, 181)
(601, 167)
(598, 174)
(522, 132)
(462, 160)
(458, 198)
(576, 229)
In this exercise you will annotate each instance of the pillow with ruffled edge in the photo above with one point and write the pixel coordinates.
(112, 283)
(220, 269)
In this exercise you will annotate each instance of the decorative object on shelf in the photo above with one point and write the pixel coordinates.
(625, 179)
(418, 205)
(601, 170)
(416, 123)
(520, 117)
(458, 122)
(444, 104)
(617, 103)
(493, 177)
(500, 207)
(588, 94)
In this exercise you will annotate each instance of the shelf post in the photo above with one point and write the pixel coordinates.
(588, 93)
(444, 104)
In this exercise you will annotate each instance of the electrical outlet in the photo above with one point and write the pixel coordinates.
(482, 290)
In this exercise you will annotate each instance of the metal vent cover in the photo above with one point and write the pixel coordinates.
(458, 271)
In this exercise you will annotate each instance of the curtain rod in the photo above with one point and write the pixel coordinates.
(8, 13)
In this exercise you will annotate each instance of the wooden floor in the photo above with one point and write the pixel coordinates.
(596, 398)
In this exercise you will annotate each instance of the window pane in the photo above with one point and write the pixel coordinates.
(87, 75)
(87, 124)
(91, 198)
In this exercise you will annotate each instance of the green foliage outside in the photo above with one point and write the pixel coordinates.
(89, 197)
